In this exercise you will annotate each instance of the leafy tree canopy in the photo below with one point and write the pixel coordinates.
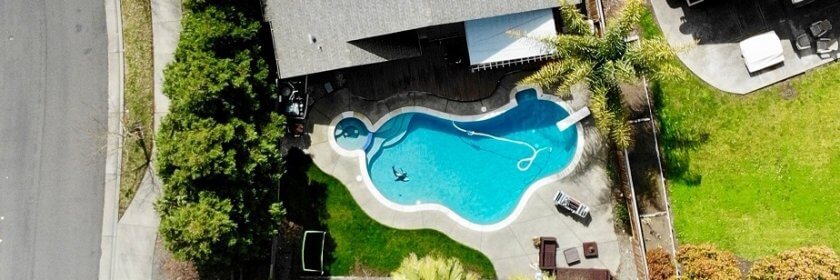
(603, 63)
(218, 148)
(217, 28)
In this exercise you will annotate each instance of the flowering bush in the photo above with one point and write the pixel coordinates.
(817, 262)
(707, 262)
(660, 266)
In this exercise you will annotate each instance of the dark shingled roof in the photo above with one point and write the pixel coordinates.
(334, 23)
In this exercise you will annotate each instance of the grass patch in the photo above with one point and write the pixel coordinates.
(358, 245)
(753, 174)
(359, 240)
(138, 96)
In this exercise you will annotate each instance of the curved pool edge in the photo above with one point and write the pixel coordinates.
(520, 205)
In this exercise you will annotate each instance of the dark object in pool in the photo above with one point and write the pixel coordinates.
(400, 175)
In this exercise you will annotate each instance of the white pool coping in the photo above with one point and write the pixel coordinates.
(360, 155)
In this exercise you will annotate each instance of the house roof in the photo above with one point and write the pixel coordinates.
(312, 36)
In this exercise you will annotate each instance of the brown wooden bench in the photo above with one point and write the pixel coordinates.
(548, 253)
(582, 273)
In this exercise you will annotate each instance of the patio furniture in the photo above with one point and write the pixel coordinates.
(826, 47)
(582, 273)
(571, 204)
(820, 28)
(548, 253)
(590, 249)
(294, 104)
(801, 39)
(762, 51)
(803, 42)
(572, 256)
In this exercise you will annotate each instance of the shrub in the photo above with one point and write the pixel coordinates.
(432, 268)
(707, 262)
(622, 217)
(218, 148)
(818, 262)
(660, 265)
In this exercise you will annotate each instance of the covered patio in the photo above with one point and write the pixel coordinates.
(464, 61)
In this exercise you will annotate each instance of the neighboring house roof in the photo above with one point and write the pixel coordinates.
(334, 23)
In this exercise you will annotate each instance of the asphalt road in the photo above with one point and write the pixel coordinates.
(53, 105)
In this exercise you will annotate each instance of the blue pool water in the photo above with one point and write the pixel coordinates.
(479, 170)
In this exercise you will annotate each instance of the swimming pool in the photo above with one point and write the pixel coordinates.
(477, 167)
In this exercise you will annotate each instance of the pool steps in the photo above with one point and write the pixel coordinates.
(388, 135)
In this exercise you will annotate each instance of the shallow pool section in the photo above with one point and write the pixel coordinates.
(479, 170)
(352, 134)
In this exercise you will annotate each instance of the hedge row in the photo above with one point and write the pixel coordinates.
(218, 148)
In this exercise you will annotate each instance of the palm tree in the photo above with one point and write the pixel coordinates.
(603, 63)
(432, 268)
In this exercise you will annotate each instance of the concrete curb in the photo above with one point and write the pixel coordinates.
(113, 161)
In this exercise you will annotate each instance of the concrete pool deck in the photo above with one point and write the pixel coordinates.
(510, 248)
(713, 29)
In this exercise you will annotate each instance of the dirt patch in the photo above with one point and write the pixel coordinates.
(744, 265)
(168, 268)
(287, 265)
(644, 168)
(633, 97)
(788, 91)
(359, 271)
(656, 232)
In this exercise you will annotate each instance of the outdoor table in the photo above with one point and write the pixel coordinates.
(571, 255)
(590, 249)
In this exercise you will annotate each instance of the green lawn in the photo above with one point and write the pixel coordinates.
(362, 243)
(754, 174)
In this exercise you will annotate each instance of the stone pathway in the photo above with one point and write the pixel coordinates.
(510, 249)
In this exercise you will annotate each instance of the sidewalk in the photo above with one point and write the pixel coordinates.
(128, 246)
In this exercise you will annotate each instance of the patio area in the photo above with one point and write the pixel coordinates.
(718, 26)
(510, 248)
(443, 69)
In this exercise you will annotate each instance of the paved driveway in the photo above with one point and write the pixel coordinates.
(52, 129)
(718, 25)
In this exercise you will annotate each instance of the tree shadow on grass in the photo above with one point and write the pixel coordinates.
(305, 203)
(678, 141)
